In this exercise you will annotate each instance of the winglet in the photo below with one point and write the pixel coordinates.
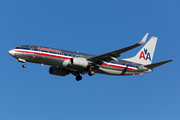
(144, 39)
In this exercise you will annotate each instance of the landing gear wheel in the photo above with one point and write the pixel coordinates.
(79, 77)
(24, 65)
(91, 73)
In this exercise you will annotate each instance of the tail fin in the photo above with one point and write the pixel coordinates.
(145, 55)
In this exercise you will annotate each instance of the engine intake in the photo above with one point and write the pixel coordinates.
(58, 71)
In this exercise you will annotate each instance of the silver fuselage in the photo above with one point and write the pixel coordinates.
(57, 57)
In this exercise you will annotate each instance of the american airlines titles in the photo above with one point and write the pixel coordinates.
(49, 49)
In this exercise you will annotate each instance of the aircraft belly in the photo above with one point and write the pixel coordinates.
(51, 61)
(43, 59)
(25, 56)
(19, 55)
(113, 71)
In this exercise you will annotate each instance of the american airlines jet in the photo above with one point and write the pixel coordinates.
(64, 62)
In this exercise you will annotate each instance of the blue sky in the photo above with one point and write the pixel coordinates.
(93, 27)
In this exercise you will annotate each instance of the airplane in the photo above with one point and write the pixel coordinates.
(65, 62)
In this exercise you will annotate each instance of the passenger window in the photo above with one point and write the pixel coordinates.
(26, 48)
(122, 64)
(130, 65)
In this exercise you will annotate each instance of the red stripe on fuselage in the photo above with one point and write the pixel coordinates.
(45, 54)
(117, 66)
(58, 56)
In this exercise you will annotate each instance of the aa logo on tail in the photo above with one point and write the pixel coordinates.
(145, 55)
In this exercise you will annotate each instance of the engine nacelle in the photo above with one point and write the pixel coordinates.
(79, 62)
(58, 71)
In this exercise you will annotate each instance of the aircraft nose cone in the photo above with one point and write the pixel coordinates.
(11, 52)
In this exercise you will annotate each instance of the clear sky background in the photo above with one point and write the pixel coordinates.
(93, 27)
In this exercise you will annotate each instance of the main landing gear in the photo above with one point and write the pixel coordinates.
(91, 70)
(90, 73)
(78, 77)
(24, 65)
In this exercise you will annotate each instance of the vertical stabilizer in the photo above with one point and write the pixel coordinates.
(145, 55)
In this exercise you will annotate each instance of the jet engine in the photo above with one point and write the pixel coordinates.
(79, 62)
(58, 71)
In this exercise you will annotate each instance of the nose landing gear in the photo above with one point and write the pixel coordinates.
(23, 61)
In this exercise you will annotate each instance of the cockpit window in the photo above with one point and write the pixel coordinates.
(19, 47)
(25, 47)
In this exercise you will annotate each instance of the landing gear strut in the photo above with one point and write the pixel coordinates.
(78, 77)
(23, 61)
(91, 70)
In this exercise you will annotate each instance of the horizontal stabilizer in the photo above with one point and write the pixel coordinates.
(151, 66)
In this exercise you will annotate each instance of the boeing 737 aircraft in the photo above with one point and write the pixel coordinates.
(64, 62)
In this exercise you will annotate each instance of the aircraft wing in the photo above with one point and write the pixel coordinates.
(105, 58)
